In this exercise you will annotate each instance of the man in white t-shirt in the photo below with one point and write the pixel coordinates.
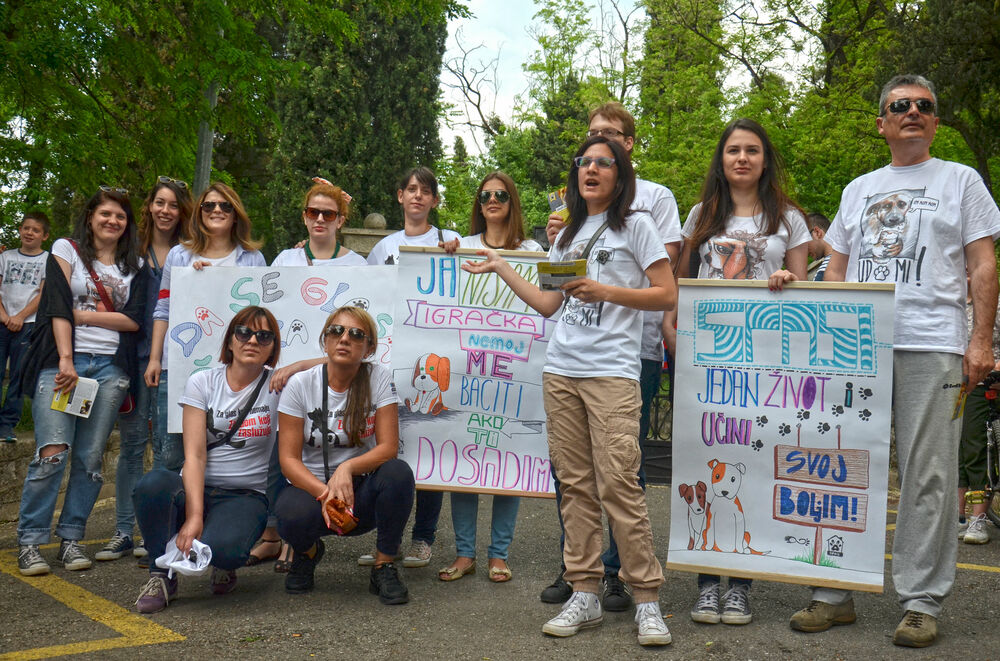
(614, 122)
(919, 223)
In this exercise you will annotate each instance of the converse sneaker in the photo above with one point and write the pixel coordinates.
(652, 629)
(299, 578)
(736, 605)
(366, 560)
(617, 596)
(582, 610)
(916, 629)
(30, 561)
(419, 554)
(140, 550)
(977, 534)
(72, 557)
(223, 581)
(116, 547)
(963, 527)
(386, 583)
(706, 609)
(558, 592)
(820, 616)
(157, 593)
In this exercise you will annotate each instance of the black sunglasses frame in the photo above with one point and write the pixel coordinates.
(264, 337)
(501, 196)
(925, 106)
(336, 330)
(209, 207)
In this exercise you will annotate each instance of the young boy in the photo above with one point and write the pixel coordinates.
(22, 272)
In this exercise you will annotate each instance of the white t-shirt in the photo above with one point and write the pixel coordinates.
(745, 251)
(303, 398)
(659, 202)
(93, 339)
(297, 257)
(22, 279)
(386, 251)
(910, 225)
(603, 339)
(242, 462)
(476, 242)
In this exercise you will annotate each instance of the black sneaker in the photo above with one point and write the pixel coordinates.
(558, 592)
(617, 596)
(385, 582)
(300, 577)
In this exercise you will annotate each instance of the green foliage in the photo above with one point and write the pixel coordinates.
(459, 177)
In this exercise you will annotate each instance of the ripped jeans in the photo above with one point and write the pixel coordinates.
(86, 439)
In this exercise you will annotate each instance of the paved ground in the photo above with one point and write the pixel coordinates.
(89, 613)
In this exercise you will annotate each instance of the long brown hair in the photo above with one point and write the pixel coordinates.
(184, 208)
(623, 196)
(359, 394)
(515, 221)
(197, 240)
(126, 255)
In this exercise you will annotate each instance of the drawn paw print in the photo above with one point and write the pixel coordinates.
(881, 272)
(837, 409)
(784, 429)
(823, 427)
(362, 303)
(757, 445)
(603, 256)
(297, 326)
(202, 314)
(761, 420)
(864, 414)
(802, 414)
(864, 393)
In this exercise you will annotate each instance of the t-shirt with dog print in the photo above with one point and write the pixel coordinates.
(603, 339)
(909, 226)
(745, 251)
(303, 398)
(242, 462)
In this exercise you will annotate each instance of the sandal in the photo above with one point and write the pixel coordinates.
(454, 572)
(500, 574)
(285, 557)
(254, 560)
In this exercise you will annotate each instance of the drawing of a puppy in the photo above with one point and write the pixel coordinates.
(725, 527)
(695, 498)
(431, 378)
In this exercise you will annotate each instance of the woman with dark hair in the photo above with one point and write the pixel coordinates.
(590, 381)
(496, 221)
(338, 439)
(164, 216)
(86, 326)
(229, 433)
(746, 228)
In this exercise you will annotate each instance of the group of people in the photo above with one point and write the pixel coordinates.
(282, 481)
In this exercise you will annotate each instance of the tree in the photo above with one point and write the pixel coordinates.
(459, 178)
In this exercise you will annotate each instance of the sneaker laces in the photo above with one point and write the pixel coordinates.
(977, 522)
(737, 599)
(614, 586)
(914, 619)
(578, 602)
(648, 614)
(155, 586)
(72, 551)
(813, 606)
(708, 600)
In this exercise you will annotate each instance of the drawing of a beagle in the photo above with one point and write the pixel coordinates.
(695, 497)
(431, 377)
(726, 526)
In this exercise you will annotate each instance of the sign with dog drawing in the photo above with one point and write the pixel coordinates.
(467, 361)
(782, 407)
(300, 297)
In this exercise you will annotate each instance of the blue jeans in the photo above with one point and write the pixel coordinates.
(12, 346)
(86, 437)
(425, 518)
(134, 429)
(464, 513)
(168, 449)
(234, 518)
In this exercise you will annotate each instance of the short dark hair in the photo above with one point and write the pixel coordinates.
(246, 317)
(39, 218)
(616, 111)
(816, 219)
(899, 81)
(424, 177)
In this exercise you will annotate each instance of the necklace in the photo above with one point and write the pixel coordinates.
(488, 244)
(310, 256)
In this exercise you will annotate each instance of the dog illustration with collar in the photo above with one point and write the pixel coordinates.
(695, 498)
(431, 377)
(726, 525)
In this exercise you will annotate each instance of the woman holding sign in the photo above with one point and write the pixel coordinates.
(745, 228)
(591, 381)
(338, 439)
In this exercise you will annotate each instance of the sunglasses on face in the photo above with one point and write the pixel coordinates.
(501, 196)
(167, 180)
(336, 330)
(900, 106)
(110, 189)
(328, 215)
(209, 207)
(264, 337)
(608, 133)
(604, 162)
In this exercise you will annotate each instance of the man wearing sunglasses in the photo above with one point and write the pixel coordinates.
(614, 122)
(919, 222)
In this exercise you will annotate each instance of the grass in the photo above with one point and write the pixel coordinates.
(824, 561)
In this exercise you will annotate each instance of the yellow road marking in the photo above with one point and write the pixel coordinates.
(960, 565)
(134, 629)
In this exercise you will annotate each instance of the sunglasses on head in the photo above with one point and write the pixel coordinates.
(501, 196)
(329, 215)
(110, 189)
(336, 330)
(264, 337)
(601, 161)
(162, 179)
(209, 207)
(900, 106)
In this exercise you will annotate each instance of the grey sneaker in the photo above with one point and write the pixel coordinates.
(30, 561)
(977, 533)
(652, 629)
(140, 550)
(419, 554)
(736, 605)
(582, 610)
(156, 594)
(706, 609)
(72, 557)
(915, 630)
(116, 547)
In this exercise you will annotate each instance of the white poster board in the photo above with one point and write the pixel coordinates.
(301, 297)
(467, 363)
(781, 421)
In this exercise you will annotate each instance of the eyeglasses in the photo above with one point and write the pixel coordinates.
(110, 189)
(209, 207)
(336, 330)
(900, 106)
(167, 180)
(264, 337)
(501, 196)
(329, 215)
(601, 161)
(604, 133)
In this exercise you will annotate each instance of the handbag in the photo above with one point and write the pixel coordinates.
(341, 519)
(244, 411)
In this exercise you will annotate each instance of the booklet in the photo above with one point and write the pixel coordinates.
(557, 203)
(553, 275)
(78, 401)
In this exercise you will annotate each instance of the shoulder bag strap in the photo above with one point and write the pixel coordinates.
(323, 426)
(593, 240)
(101, 291)
(244, 411)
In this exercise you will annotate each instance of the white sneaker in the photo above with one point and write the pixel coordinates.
(652, 629)
(963, 527)
(581, 610)
(367, 560)
(977, 534)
